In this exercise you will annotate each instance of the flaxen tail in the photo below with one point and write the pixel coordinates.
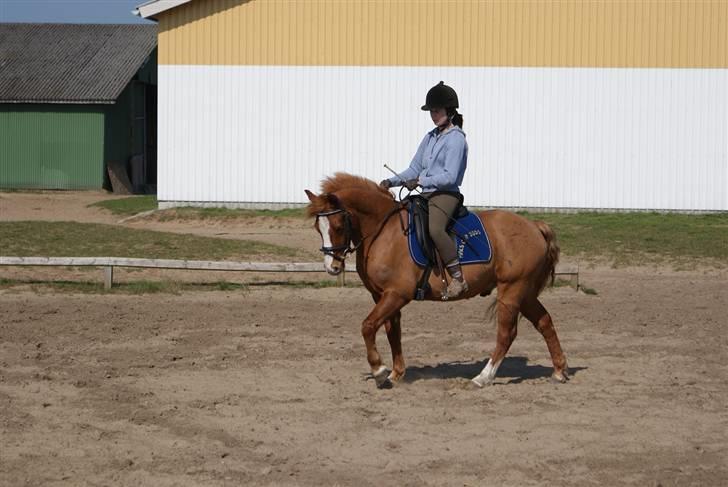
(552, 256)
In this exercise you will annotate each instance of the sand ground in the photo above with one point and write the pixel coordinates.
(269, 385)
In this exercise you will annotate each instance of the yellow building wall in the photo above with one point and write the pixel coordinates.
(519, 33)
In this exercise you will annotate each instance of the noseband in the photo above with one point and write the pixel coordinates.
(346, 247)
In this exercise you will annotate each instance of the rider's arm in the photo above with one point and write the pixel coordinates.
(414, 169)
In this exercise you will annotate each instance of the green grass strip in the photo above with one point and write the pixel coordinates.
(128, 206)
(158, 287)
(623, 238)
(642, 238)
(71, 239)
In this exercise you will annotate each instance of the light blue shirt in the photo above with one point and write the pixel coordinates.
(439, 162)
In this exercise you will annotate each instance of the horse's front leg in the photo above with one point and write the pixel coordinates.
(394, 335)
(387, 306)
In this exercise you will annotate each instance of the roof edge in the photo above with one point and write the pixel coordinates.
(57, 102)
(150, 9)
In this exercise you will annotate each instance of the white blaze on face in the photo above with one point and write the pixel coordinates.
(324, 229)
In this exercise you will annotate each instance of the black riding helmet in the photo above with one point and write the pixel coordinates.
(440, 96)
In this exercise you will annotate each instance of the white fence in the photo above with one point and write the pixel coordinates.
(108, 263)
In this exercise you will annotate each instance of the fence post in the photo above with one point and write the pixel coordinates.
(341, 279)
(575, 278)
(108, 277)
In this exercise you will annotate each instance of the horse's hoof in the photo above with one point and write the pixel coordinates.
(561, 378)
(382, 378)
(480, 383)
(394, 377)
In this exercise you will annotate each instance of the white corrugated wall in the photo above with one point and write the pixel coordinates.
(613, 138)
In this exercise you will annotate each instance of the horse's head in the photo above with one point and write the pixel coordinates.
(334, 224)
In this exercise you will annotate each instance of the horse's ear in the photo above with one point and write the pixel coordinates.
(311, 197)
(333, 200)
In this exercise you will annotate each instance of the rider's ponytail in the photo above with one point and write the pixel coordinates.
(457, 119)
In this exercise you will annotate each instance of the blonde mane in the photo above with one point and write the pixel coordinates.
(342, 180)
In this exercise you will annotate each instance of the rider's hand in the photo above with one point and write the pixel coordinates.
(386, 184)
(411, 184)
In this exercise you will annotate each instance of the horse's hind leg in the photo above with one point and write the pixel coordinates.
(534, 311)
(507, 315)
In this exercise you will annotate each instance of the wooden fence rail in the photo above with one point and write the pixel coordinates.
(108, 263)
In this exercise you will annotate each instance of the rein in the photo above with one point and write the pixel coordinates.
(349, 247)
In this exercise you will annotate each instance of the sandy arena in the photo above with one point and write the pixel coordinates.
(270, 385)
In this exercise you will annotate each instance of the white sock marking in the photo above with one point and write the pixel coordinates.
(487, 376)
(381, 370)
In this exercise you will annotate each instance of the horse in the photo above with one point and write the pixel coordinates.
(355, 215)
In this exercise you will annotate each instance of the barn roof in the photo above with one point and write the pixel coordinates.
(150, 9)
(71, 63)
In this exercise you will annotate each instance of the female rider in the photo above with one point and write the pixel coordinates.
(438, 166)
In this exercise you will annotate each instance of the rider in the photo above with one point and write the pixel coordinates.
(438, 166)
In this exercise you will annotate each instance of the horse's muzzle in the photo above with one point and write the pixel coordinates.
(334, 270)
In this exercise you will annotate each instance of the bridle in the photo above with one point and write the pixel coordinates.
(347, 247)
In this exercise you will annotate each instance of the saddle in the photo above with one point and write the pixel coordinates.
(471, 240)
(420, 226)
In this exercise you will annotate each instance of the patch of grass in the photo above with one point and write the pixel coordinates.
(588, 290)
(129, 206)
(131, 287)
(61, 286)
(70, 287)
(158, 287)
(558, 282)
(149, 287)
(227, 286)
(642, 238)
(320, 284)
(59, 239)
(567, 283)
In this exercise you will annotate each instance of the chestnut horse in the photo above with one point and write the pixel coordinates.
(354, 214)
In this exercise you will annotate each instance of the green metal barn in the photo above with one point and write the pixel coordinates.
(76, 99)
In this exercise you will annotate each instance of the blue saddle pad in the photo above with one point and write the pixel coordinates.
(474, 246)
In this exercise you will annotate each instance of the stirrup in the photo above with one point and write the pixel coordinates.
(455, 289)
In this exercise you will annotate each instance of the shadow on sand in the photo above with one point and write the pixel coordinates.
(516, 369)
